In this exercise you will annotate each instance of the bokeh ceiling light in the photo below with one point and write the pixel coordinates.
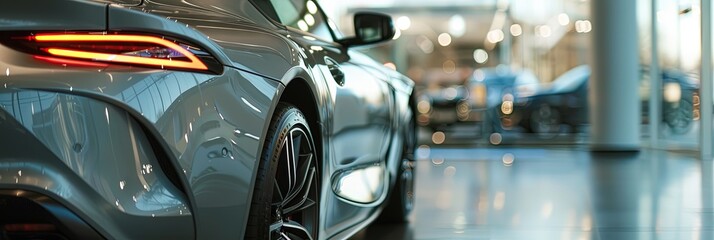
(457, 26)
(438, 137)
(480, 56)
(444, 39)
(425, 44)
(583, 26)
(544, 31)
(449, 67)
(311, 7)
(309, 19)
(563, 19)
(516, 30)
(495, 36)
(404, 22)
(478, 74)
(303, 25)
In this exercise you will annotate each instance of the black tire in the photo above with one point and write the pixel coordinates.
(679, 118)
(545, 121)
(284, 204)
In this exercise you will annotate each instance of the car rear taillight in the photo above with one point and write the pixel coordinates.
(30, 227)
(32, 231)
(115, 48)
(28, 215)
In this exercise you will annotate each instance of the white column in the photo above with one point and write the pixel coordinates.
(655, 101)
(705, 96)
(614, 84)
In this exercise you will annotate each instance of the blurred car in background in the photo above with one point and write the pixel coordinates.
(443, 104)
(448, 103)
(680, 99)
(563, 105)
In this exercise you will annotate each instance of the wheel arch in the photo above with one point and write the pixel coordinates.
(299, 89)
(300, 94)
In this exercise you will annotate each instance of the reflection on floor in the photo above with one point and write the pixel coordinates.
(551, 193)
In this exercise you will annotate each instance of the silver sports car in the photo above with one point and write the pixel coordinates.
(208, 119)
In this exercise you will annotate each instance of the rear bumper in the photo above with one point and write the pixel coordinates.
(30, 215)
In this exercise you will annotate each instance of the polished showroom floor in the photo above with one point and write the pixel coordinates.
(546, 192)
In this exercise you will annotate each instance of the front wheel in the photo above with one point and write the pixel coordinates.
(545, 121)
(286, 194)
(679, 117)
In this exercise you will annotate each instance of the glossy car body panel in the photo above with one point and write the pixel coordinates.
(66, 126)
(131, 20)
(203, 114)
(57, 171)
(204, 131)
(53, 15)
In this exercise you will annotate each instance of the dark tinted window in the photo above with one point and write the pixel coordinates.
(120, 2)
(303, 15)
(243, 9)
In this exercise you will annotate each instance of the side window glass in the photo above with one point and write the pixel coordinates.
(303, 15)
(121, 2)
(250, 12)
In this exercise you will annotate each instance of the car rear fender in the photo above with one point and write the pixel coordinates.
(132, 20)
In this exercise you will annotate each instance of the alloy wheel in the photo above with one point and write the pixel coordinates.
(294, 203)
(545, 121)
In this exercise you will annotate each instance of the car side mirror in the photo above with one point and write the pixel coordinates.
(370, 28)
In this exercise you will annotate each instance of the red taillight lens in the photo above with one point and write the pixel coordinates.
(133, 49)
(30, 227)
(120, 48)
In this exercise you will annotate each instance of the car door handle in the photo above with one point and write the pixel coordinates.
(337, 74)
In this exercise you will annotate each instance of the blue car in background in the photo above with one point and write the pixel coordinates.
(563, 104)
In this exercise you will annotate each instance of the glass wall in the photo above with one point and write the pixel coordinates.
(676, 53)
(515, 71)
